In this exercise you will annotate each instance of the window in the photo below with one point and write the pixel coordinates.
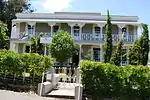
(96, 54)
(124, 57)
(30, 29)
(124, 29)
(76, 30)
(97, 29)
(56, 28)
(27, 50)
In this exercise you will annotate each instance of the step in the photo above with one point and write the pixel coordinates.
(62, 93)
(63, 90)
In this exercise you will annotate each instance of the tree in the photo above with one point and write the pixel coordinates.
(138, 54)
(134, 53)
(116, 57)
(33, 45)
(40, 46)
(62, 46)
(9, 8)
(144, 44)
(88, 56)
(108, 45)
(36, 46)
(4, 39)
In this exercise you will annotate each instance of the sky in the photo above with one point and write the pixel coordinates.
(140, 8)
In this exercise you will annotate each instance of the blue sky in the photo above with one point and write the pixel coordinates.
(139, 8)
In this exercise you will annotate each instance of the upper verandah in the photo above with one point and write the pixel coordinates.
(75, 16)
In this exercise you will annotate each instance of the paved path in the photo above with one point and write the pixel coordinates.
(10, 95)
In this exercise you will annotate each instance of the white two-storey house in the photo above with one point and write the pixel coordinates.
(87, 29)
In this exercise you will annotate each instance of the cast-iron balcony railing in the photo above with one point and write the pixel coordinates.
(84, 36)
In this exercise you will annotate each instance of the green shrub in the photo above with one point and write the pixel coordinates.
(62, 46)
(12, 63)
(103, 80)
(9, 62)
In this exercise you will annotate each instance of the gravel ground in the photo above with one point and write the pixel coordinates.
(10, 95)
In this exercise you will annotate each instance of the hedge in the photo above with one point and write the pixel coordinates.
(13, 63)
(103, 80)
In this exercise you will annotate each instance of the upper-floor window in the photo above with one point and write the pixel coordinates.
(97, 29)
(56, 28)
(124, 29)
(30, 29)
(76, 30)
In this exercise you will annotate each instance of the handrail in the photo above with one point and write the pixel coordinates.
(91, 36)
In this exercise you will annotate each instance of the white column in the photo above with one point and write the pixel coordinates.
(33, 31)
(80, 50)
(140, 30)
(127, 27)
(93, 32)
(71, 30)
(30, 49)
(80, 25)
(51, 30)
(135, 30)
(51, 24)
(101, 26)
(120, 30)
(71, 26)
(80, 33)
(127, 54)
(13, 30)
(16, 47)
(17, 30)
(12, 46)
(91, 52)
(24, 48)
(101, 53)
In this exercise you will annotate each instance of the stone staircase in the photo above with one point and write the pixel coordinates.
(64, 91)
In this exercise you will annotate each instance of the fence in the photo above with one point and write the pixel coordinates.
(19, 83)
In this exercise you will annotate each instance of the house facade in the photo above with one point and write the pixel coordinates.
(87, 29)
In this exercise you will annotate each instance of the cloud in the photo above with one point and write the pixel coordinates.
(56, 5)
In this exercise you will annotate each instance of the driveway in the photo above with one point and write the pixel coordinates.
(10, 95)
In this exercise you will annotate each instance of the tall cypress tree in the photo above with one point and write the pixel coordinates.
(144, 44)
(134, 53)
(138, 54)
(108, 45)
(116, 57)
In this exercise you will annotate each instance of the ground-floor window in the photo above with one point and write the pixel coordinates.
(124, 57)
(96, 54)
(27, 50)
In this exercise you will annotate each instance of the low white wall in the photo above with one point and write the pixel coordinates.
(46, 87)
